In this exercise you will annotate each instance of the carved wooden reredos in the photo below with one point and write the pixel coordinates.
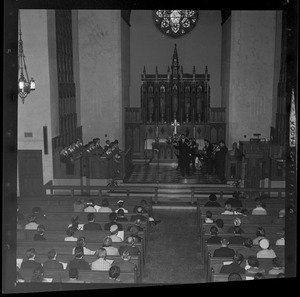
(175, 95)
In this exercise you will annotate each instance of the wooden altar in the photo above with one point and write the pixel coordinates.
(175, 95)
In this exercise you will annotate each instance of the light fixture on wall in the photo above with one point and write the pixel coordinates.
(25, 86)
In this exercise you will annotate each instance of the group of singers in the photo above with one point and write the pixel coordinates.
(212, 156)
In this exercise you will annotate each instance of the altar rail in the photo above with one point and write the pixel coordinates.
(155, 190)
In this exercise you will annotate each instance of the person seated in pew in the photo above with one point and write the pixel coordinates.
(70, 234)
(212, 201)
(208, 219)
(138, 215)
(134, 232)
(40, 233)
(113, 221)
(75, 224)
(281, 241)
(130, 247)
(114, 273)
(81, 242)
(227, 210)
(237, 222)
(105, 207)
(233, 277)
(32, 223)
(146, 210)
(260, 234)
(114, 234)
(121, 216)
(120, 204)
(137, 224)
(90, 206)
(101, 263)
(258, 210)
(235, 266)
(37, 212)
(281, 218)
(52, 263)
(234, 201)
(277, 267)
(91, 225)
(73, 276)
(252, 266)
(125, 264)
(237, 238)
(265, 252)
(214, 235)
(247, 250)
(258, 275)
(220, 225)
(78, 262)
(38, 275)
(30, 262)
(224, 250)
(110, 250)
(78, 205)
(143, 204)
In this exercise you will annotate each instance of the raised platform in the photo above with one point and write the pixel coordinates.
(167, 173)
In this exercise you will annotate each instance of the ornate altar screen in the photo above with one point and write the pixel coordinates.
(175, 96)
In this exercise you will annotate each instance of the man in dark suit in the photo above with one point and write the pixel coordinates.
(184, 155)
(235, 266)
(130, 247)
(52, 263)
(91, 225)
(30, 263)
(125, 264)
(220, 158)
(224, 250)
(237, 238)
(208, 149)
(214, 236)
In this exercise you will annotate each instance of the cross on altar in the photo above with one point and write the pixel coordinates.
(175, 125)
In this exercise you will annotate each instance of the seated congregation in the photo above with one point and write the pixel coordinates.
(242, 239)
(104, 241)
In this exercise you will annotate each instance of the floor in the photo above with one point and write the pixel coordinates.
(173, 255)
(167, 173)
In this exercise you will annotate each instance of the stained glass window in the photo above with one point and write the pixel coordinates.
(175, 23)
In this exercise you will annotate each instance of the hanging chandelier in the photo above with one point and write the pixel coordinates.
(25, 86)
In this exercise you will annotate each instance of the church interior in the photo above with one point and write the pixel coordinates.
(103, 92)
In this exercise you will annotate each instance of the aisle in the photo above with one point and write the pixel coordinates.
(173, 255)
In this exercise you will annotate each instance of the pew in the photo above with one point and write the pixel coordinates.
(66, 258)
(61, 226)
(223, 277)
(129, 202)
(271, 237)
(86, 276)
(65, 247)
(210, 248)
(216, 213)
(249, 228)
(216, 263)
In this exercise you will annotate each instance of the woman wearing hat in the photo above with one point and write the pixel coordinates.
(265, 252)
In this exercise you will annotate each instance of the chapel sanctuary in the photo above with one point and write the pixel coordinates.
(157, 125)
